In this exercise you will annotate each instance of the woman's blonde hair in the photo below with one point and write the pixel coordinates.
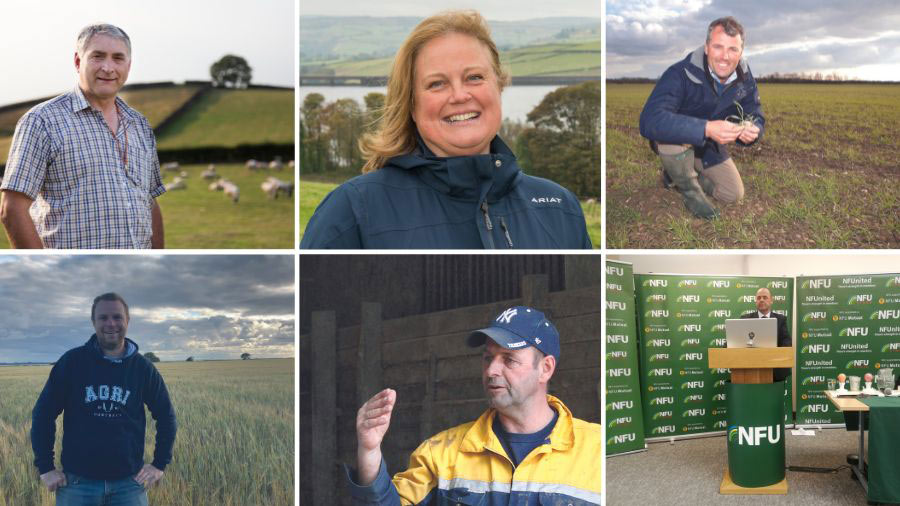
(396, 134)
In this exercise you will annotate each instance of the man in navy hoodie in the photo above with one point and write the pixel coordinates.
(691, 116)
(102, 387)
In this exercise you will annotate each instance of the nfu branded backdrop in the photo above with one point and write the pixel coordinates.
(679, 318)
(847, 324)
(624, 422)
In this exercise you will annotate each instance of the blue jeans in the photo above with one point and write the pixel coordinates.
(80, 491)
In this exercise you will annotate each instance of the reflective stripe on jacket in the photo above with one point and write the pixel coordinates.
(467, 465)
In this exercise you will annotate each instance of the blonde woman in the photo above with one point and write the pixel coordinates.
(437, 174)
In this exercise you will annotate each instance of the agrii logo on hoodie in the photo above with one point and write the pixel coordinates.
(108, 401)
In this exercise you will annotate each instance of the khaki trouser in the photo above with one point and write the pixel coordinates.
(723, 179)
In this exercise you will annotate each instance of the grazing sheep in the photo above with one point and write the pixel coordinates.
(183, 174)
(273, 186)
(291, 165)
(176, 184)
(276, 164)
(171, 166)
(210, 172)
(255, 165)
(231, 190)
(214, 186)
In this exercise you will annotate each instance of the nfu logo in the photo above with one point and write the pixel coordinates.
(719, 384)
(885, 314)
(612, 270)
(747, 298)
(693, 327)
(718, 397)
(659, 357)
(820, 409)
(619, 405)
(720, 313)
(657, 313)
(777, 284)
(893, 347)
(718, 283)
(662, 401)
(862, 298)
(815, 316)
(692, 385)
(691, 357)
(617, 339)
(815, 284)
(694, 413)
(718, 342)
(891, 282)
(662, 371)
(656, 283)
(665, 429)
(619, 422)
(659, 343)
(753, 436)
(621, 439)
(721, 424)
(617, 355)
(693, 398)
(858, 364)
(656, 297)
(814, 380)
(662, 415)
(618, 372)
(854, 331)
(816, 348)
(688, 298)
(691, 341)
(684, 283)
(616, 305)
(719, 327)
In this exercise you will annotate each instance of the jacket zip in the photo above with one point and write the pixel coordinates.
(488, 224)
(506, 232)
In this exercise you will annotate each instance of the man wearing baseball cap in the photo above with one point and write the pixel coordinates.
(527, 448)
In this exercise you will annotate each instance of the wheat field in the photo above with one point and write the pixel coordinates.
(235, 442)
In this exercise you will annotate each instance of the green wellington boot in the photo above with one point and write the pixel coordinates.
(680, 169)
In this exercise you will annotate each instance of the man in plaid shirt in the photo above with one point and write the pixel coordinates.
(82, 170)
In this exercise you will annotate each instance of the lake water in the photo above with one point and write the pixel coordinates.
(518, 101)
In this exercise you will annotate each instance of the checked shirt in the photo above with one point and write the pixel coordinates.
(64, 156)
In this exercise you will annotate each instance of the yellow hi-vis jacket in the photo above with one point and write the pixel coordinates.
(467, 465)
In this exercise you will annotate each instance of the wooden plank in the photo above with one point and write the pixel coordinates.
(729, 487)
(751, 376)
(748, 358)
(324, 407)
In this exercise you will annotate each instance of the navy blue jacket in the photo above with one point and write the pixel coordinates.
(104, 422)
(685, 97)
(422, 201)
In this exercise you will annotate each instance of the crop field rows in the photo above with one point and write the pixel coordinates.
(235, 442)
(823, 176)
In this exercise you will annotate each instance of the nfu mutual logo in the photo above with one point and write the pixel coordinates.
(754, 436)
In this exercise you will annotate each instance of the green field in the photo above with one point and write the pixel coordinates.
(199, 218)
(232, 117)
(823, 175)
(156, 104)
(549, 59)
(235, 442)
(313, 192)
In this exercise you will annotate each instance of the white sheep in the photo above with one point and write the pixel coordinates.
(171, 166)
(210, 172)
(230, 190)
(176, 184)
(272, 186)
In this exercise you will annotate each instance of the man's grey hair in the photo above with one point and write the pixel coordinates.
(730, 25)
(88, 32)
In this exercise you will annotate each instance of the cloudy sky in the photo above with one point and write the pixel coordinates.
(500, 10)
(857, 39)
(172, 40)
(206, 306)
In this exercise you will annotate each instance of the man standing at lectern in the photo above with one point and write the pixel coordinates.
(764, 310)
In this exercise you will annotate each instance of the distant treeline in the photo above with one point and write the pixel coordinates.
(560, 141)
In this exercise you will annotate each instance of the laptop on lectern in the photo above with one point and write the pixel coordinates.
(751, 333)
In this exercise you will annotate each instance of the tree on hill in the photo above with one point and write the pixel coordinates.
(151, 356)
(245, 356)
(231, 71)
(190, 359)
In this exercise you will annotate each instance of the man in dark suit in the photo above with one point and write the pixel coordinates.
(764, 310)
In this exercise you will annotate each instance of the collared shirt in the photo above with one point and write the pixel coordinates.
(720, 86)
(65, 157)
(767, 315)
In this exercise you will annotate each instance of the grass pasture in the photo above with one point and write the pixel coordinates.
(233, 117)
(823, 176)
(235, 442)
(313, 192)
(199, 218)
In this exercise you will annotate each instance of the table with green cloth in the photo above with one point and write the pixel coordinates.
(884, 449)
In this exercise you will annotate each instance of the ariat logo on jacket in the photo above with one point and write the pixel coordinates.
(546, 200)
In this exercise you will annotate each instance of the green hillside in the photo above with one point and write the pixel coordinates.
(156, 104)
(232, 117)
(547, 59)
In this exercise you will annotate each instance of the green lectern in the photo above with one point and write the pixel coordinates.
(755, 431)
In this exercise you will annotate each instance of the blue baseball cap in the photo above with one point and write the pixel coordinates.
(518, 327)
